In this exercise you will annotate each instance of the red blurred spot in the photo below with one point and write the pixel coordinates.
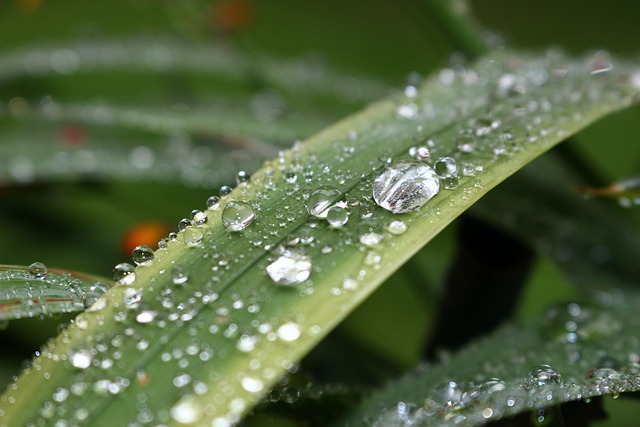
(232, 15)
(146, 233)
(73, 136)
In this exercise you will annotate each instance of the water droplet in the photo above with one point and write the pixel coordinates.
(466, 143)
(38, 269)
(371, 239)
(289, 331)
(213, 203)
(93, 294)
(242, 177)
(198, 217)
(542, 375)
(225, 190)
(124, 273)
(81, 359)
(146, 316)
(178, 275)
(237, 216)
(183, 224)
(186, 411)
(446, 167)
(290, 268)
(321, 200)
(291, 177)
(142, 255)
(337, 216)
(132, 297)
(420, 153)
(397, 227)
(404, 186)
(193, 236)
(252, 385)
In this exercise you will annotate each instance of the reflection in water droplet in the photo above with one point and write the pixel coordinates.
(237, 216)
(132, 297)
(193, 236)
(178, 275)
(290, 268)
(142, 254)
(542, 375)
(38, 269)
(404, 186)
(213, 203)
(446, 167)
(337, 216)
(199, 217)
(321, 200)
(124, 273)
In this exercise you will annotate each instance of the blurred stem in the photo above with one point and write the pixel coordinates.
(455, 20)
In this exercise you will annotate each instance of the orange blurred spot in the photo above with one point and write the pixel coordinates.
(29, 6)
(73, 136)
(232, 15)
(146, 233)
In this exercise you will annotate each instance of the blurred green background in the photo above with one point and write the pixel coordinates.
(82, 225)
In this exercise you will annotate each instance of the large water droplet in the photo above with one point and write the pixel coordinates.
(124, 273)
(290, 268)
(542, 375)
(404, 186)
(38, 269)
(237, 216)
(142, 255)
(321, 200)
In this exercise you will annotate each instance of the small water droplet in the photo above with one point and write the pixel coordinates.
(142, 254)
(289, 331)
(178, 275)
(290, 268)
(124, 273)
(371, 239)
(252, 385)
(38, 269)
(183, 224)
(291, 177)
(337, 216)
(225, 190)
(199, 217)
(193, 236)
(146, 316)
(446, 167)
(466, 143)
(242, 177)
(186, 411)
(81, 359)
(321, 200)
(404, 186)
(237, 216)
(420, 153)
(132, 297)
(397, 227)
(542, 375)
(213, 203)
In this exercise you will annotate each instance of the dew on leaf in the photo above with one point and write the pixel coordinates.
(193, 236)
(321, 200)
(81, 359)
(252, 385)
(213, 203)
(370, 239)
(132, 297)
(397, 227)
(289, 331)
(225, 190)
(38, 269)
(337, 216)
(542, 375)
(242, 177)
(142, 254)
(198, 217)
(291, 267)
(124, 273)
(446, 167)
(404, 186)
(183, 224)
(146, 316)
(237, 216)
(186, 411)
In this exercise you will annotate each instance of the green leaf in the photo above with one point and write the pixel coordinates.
(203, 332)
(574, 352)
(38, 291)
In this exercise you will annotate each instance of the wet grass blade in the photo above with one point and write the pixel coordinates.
(38, 291)
(204, 330)
(533, 367)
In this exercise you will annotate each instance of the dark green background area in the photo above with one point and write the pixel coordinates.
(81, 225)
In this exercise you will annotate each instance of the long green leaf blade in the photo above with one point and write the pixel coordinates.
(202, 332)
